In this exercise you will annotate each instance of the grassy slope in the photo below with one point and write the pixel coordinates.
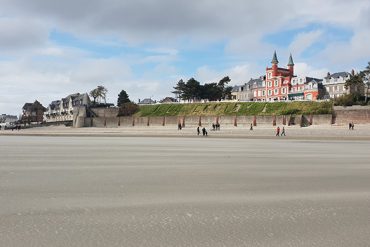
(235, 108)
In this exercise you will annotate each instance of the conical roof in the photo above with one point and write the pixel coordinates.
(274, 59)
(290, 63)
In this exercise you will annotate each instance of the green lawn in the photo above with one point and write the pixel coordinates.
(235, 108)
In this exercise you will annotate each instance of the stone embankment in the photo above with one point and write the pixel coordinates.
(107, 117)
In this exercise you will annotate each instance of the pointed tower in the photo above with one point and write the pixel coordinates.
(291, 65)
(275, 63)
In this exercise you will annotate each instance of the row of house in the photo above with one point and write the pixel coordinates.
(280, 84)
(62, 110)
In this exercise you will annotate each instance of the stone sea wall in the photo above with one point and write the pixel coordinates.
(107, 117)
(355, 114)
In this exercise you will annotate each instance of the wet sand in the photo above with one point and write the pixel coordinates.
(175, 191)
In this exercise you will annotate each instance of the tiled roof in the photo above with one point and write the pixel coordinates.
(338, 74)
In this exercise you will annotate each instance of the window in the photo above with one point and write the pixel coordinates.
(269, 92)
(269, 75)
(276, 83)
(283, 90)
(276, 91)
(263, 93)
(270, 84)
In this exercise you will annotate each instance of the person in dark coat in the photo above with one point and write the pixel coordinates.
(283, 132)
(198, 130)
(204, 131)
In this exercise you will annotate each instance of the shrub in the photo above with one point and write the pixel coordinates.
(350, 99)
(128, 109)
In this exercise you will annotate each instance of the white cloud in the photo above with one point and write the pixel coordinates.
(303, 69)
(344, 55)
(305, 40)
(19, 34)
(35, 67)
(238, 74)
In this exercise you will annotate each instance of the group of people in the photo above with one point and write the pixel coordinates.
(204, 131)
(351, 126)
(216, 126)
(278, 131)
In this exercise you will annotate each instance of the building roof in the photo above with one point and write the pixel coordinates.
(290, 63)
(71, 96)
(147, 101)
(168, 100)
(338, 74)
(33, 106)
(235, 89)
(274, 59)
(309, 79)
(255, 83)
(54, 105)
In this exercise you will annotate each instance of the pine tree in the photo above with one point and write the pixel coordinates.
(122, 98)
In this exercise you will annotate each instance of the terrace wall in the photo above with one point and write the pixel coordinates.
(107, 117)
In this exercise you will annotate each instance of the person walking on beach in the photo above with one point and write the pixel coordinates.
(283, 132)
(198, 130)
(204, 131)
(251, 128)
(278, 131)
(352, 126)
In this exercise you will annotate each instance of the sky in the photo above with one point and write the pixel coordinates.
(50, 49)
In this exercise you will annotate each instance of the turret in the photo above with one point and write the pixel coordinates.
(291, 65)
(275, 63)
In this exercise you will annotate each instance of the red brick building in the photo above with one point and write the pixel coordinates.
(280, 84)
(278, 80)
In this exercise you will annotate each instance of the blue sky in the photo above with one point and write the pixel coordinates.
(49, 49)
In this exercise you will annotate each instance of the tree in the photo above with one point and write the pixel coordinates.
(355, 84)
(99, 93)
(222, 84)
(367, 69)
(122, 98)
(211, 92)
(179, 89)
(191, 90)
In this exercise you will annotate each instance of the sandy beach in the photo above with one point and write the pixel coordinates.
(105, 190)
(314, 132)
